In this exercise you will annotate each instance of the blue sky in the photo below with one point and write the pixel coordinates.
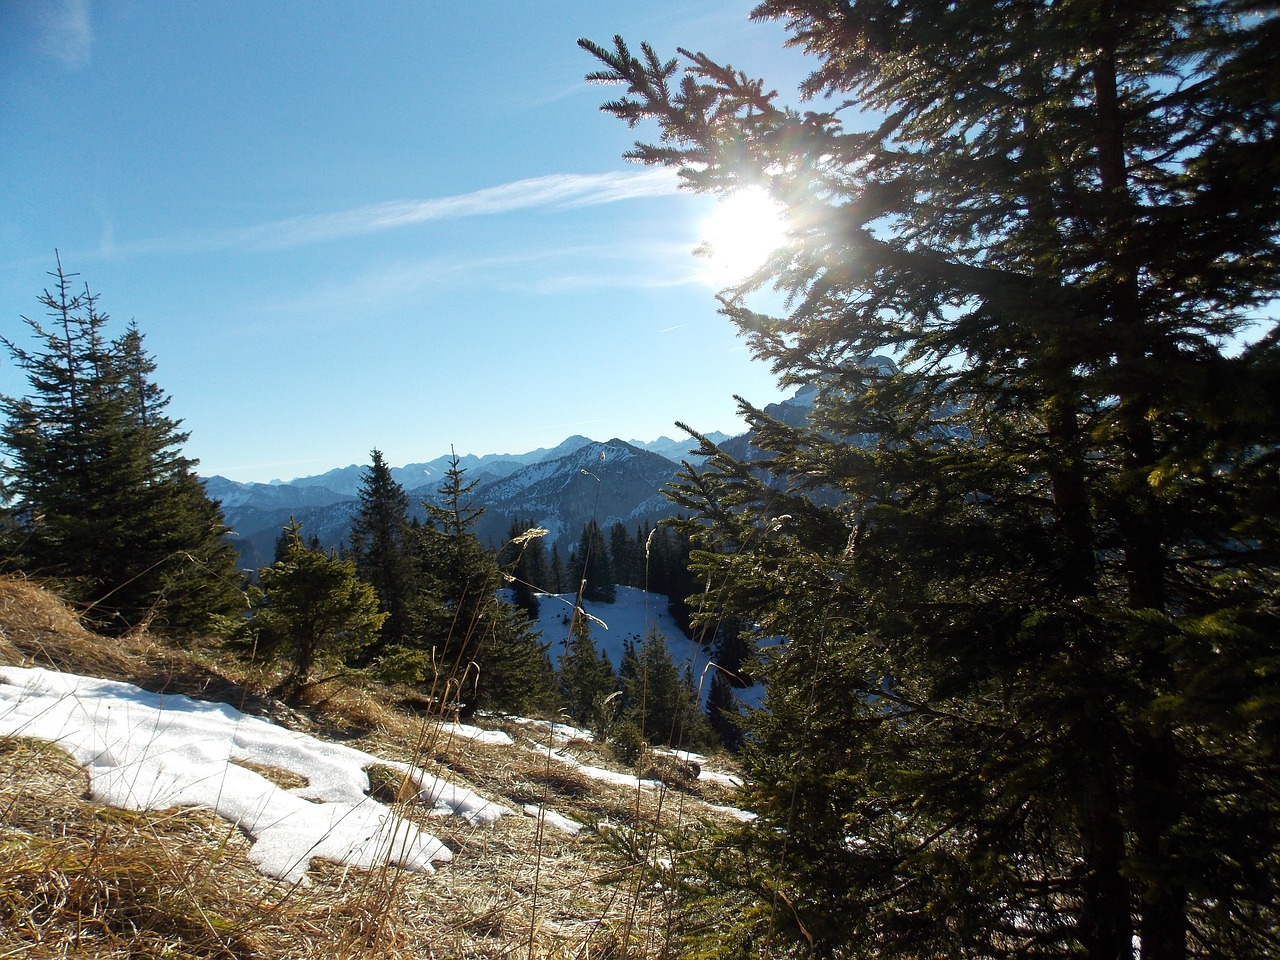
(348, 225)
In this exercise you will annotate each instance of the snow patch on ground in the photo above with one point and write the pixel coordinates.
(724, 779)
(147, 751)
(743, 816)
(705, 775)
(463, 731)
(552, 819)
(560, 733)
(596, 773)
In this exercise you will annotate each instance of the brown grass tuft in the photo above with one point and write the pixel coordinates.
(38, 629)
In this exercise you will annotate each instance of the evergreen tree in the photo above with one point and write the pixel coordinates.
(666, 559)
(516, 675)
(557, 580)
(1025, 572)
(312, 609)
(660, 556)
(199, 586)
(283, 540)
(589, 570)
(587, 680)
(724, 714)
(734, 665)
(524, 560)
(640, 548)
(485, 651)
(177, 526)
(460, 580)
(104, 499)
(629, 672)
(382, 547)
(682, 584)
(623, 560)
(657, 699)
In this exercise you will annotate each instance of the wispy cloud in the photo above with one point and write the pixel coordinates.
(66, 32)
(540, 271)
(632, 279)
(557, 190)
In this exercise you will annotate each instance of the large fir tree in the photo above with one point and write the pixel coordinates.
(105, 500)
(486, 652)
(382, 546)
(1026, 568)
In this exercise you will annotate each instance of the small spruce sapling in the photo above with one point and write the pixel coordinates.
(311, 609)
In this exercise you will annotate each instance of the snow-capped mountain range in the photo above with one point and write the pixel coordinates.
(560, 489)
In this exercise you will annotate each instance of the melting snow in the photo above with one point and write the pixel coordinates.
(146, 751)
(552, 819)
(596, 773)
(561, 733)
(462, 731)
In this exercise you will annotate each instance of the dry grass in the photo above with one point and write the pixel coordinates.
(37, 627)
(81, 879)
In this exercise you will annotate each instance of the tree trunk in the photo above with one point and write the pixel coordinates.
(1106, 924)
(1155, 800)
(1163, 926)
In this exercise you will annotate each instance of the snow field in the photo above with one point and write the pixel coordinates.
(146, 751)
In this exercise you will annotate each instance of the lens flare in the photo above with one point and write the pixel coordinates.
(740, 233)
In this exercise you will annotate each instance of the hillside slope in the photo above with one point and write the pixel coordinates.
(79, 877)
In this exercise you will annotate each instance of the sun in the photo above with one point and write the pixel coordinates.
(743, 229)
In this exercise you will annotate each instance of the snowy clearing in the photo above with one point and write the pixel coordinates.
(631, 616)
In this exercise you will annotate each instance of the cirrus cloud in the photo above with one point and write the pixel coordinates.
(65, 32)
(555, 190)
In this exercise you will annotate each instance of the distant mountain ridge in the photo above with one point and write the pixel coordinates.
(609, 482)
(559, 488)
(412, 476)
